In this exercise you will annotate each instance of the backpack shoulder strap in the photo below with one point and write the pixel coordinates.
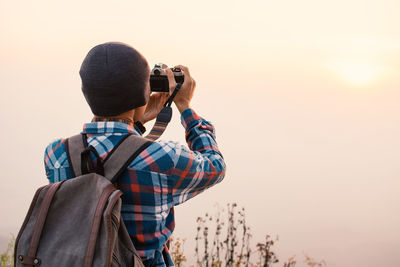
(120, 157)
(123, 155)
(74, 147)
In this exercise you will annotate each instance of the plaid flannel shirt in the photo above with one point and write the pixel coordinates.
(165, 174)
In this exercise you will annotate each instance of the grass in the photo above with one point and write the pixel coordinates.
(7, 257)
(222, 239)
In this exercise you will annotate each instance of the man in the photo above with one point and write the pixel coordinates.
(115, 83)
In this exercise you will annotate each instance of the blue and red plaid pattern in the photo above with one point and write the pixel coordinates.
(165, 174)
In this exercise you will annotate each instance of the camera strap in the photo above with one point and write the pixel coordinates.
(164, 117)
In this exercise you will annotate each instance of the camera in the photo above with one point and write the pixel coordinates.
(159, 80)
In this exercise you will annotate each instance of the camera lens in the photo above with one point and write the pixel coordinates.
(156, 72)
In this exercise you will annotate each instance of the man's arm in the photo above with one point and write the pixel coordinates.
(199, 167)
(202, 165)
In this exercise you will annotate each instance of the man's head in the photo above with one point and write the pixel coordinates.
(115, 79)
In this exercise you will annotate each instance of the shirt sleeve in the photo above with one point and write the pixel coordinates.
(55, 162)
(199, 167)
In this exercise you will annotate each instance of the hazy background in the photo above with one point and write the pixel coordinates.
(304, 96)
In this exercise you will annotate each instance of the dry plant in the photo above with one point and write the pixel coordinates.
(176, 251)
(266, 256)
(233, 249)
(313, 263)
(214, 249)
(291, 262)
(7, 257)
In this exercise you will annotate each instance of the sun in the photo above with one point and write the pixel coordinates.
(358, 73)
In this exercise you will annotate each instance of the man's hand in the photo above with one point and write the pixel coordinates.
(154, 106)
(185, 94)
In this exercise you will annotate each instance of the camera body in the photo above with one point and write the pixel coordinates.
(159, 80)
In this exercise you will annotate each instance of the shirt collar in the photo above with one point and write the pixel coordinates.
(102, 127)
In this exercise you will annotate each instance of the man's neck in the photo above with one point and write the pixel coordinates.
(126, 117)
(123, 120)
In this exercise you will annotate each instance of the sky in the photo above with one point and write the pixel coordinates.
(304, 96)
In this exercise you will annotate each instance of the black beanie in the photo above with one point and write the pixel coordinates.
(115, 79)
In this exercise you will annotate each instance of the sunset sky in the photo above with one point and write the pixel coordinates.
(304, 95)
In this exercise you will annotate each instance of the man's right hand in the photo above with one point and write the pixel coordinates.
(185, 94)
